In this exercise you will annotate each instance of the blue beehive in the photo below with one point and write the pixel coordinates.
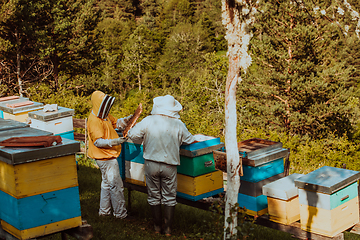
(39, 194)
(262, 162)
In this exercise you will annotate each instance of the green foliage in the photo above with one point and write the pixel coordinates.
(297, 80)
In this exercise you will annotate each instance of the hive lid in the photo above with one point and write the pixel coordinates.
(23, 132)
(21, 155)
(9, 99)
(327, 179)
(26, 108)
(257, 146)
(48, 116)
(204, 145)
(283, 188)
(256, 151)
(9, 124)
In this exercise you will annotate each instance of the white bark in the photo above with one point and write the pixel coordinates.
(18, 62)
(237, 16)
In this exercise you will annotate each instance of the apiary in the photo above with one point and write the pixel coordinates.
(262, 163)
(39, 194)
(283, 200)
(328, 200)
(59, 122)
(18, 109)
(8, 100)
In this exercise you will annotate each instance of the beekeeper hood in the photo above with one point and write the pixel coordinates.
(166, 105)
(102, 104)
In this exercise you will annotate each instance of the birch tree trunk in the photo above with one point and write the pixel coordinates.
(18, 63)
(237, 17)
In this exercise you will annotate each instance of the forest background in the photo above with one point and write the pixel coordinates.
(302, 87)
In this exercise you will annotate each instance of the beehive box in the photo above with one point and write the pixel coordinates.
(32, 214)
(135, 173)
(196, 188)
(196, 166)
(197, 158)
(329, 200)
(255, 189)
(58, 122)
(131, 163)
(19, 113)
(283, 201)
(8, 100)
(39, 194)
(262, 172)
(254, 205)
(36, 177)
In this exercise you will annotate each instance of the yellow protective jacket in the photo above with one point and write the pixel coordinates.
(102, 125)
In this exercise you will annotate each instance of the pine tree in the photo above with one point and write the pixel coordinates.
(298, 83)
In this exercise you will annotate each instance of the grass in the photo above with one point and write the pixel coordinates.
(189, 222)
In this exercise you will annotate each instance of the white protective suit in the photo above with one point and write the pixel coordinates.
(104, 148)
(162, 133)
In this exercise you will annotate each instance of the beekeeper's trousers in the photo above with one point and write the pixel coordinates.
(161, 182)
(112, 189)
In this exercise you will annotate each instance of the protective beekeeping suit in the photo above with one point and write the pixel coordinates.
(162, 133)
(104, 147)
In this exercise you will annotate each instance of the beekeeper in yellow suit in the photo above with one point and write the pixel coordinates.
(104, 147)
(162, 134)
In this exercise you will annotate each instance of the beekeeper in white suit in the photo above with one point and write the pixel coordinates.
(104, 147)
(162, 133)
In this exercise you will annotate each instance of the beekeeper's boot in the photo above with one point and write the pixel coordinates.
(168, 218)
(156, 214)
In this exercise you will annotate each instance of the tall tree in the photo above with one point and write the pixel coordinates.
(67, 37)
(18, 44)
(140, 54)
(238, 17)
(45, 37)
(300, 81)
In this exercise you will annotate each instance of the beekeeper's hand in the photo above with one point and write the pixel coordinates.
(122, 122)
(117, 141)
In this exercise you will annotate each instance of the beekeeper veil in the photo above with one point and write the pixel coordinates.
(166, 105)
(102, 104)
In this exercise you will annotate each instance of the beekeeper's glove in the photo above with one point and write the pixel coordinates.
(117, 141)
(108, 143)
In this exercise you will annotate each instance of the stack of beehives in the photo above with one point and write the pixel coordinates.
(39, 191)
(328, 200)
(262, 163)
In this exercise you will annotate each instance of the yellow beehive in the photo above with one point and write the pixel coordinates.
(28, 179)
(42, 230)
(205, 183)
(283, 199)
(284, 211)
(329, 222)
